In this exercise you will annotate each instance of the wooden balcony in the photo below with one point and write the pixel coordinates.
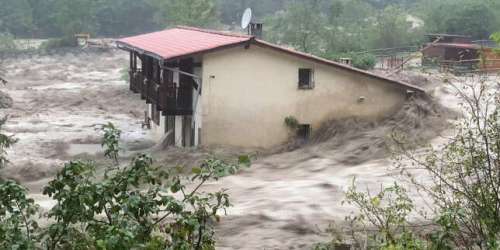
(175, 101)
(135, 79)
(169, 98)
(151, 90)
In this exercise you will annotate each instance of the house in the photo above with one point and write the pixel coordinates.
(208, 88)
(460, 53)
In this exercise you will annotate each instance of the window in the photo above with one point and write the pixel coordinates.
(306, 80)
(304, 132)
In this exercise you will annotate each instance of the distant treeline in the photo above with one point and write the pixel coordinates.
(325, 27)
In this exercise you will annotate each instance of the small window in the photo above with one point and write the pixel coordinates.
(304, 132)
(306, 80)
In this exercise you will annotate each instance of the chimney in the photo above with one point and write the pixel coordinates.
(255, 29)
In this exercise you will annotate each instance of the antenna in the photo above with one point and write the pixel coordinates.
(246, 18)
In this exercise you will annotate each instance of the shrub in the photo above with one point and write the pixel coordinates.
(291, 122)
(132, 206)
(496, 38)
(6, 141)
(465, 172)
(17, 224)
(365, 61)
(461, 178)
(388, 212)
(57, 43)
(7, 43)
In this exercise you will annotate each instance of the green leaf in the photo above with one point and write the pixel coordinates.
(244, 160)
(196, 170)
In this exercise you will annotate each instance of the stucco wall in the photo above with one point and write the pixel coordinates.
(247, 94)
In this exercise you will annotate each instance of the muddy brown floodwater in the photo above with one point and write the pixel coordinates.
(60, 103)
(284, 201)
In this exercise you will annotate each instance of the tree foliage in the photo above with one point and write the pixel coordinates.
(131, 206)
(334, 28)
(16, 17)
(461, 179)
(198, 13)
(388, 212)
(6, 141)
(18, 224)
(323, 27)
(300, 25)
(465, 17)
(466, 173)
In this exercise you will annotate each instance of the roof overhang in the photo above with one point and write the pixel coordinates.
(164, 46)
(128, 47)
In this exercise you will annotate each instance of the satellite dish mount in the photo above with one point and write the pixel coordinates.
(253, 29)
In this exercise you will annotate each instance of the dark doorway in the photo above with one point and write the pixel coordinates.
(304, 132)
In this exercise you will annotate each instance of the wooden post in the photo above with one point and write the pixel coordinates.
(132, 61)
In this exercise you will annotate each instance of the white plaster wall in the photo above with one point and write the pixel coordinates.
(198, 119)
(157, 130)
(178, 131)
(247, 94)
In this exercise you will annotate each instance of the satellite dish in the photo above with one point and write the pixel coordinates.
(246, 18)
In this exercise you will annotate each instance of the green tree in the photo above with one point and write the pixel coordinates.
(392, 29)
(198, 13)
(44, 18)
(75, 16)
(465, 17)
(232, 10)
(16, 17)
(300, 25)
(124, 17)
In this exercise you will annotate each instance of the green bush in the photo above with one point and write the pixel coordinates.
(57, 43)
(6, 141)
(7, 43)
(17, 213)
(132, 206)
(291, 122)
(461, 183)
(388, 212)
(364, 61)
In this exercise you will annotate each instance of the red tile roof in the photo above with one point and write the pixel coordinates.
(458, 45)
(184, 41)
(181, 41)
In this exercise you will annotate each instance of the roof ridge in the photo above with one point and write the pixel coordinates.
(215, 32)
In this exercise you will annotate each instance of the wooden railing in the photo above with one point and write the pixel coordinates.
(134, 81)
(174, 100)
(470, 66)
(151, 91)
(169, 98)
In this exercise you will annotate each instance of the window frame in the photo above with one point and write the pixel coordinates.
(310, 84)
